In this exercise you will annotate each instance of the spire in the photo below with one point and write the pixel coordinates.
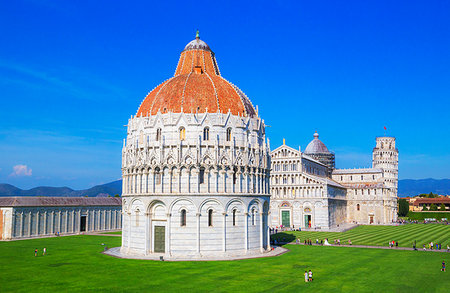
(197, 35)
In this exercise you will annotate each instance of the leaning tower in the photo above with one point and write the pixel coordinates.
(385, 157)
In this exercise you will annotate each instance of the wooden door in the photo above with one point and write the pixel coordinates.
(160, 239)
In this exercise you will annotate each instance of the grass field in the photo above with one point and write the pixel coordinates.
(115, 232)
(74, 263)
(380, 235)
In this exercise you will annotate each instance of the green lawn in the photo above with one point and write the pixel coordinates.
(380, 235)
(115, 232)
(74, 263)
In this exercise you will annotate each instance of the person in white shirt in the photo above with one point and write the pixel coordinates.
(310, 276)
(306, 276)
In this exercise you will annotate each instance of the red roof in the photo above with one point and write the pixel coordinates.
(437, 200)
(197, 86)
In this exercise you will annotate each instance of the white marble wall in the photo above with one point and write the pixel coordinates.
(197, 237)
(24, 222)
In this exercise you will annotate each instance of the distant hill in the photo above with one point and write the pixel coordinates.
(111, 189)
(411, 187)
(406, 187)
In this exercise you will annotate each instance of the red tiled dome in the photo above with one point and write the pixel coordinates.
(197, 87)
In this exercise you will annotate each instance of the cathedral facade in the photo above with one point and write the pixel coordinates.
(308, 192)
(195, 167)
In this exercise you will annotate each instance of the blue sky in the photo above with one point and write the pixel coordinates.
(72, 73)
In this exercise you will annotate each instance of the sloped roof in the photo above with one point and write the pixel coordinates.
(34, 201)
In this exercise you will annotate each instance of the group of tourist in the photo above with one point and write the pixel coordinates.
(393, 243)
(44, 251)
(308, 276)
(436, 246)
(321, 242)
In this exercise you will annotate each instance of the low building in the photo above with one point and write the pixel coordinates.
(418, 203)
(25, 217)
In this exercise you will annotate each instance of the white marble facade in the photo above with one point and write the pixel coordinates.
(29, 217)
(195, 184)
(306, 193)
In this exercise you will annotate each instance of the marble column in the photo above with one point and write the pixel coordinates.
(261, 232)
(246, 231)
(224, 235)
(198, 232)
(168, 232)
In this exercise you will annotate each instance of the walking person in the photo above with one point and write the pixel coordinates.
(35, 252)
(443, 266)
(306, 276)
(310, 276)
(44, 251)
(396, 244)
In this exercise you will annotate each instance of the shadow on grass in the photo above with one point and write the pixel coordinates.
(282, 238)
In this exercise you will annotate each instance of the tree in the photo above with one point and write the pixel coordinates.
(403, 207)
(442, 208)
(116, 195)
(433, 207)
(424, 208)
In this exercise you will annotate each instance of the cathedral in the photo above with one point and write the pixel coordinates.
(195, 167)
(308, 192)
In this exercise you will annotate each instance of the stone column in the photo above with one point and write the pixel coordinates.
(246, 183)
(73, 221)
(151, 180)
(104, 219)
(230, 181)
(261, 232)
(216, 181)
(246, 231)
(208, 183)
(268, 232)
(13, 221)
(21, 224)
(67, 221)
(223, 174)
(45, 223)
(239, 179)
(198, 232)
(224, 235)
(29, 224)
(52, 222)
(169, 216)
(146, 233)
(149, 232)
(170, 180)
(37, 223)
(129, 231)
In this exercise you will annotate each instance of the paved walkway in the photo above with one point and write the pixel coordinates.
(371, 246)
(115, 251)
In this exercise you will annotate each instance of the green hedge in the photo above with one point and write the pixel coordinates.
(420, 216)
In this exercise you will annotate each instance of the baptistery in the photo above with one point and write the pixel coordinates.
(195, 166)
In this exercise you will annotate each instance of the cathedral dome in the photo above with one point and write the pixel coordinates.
(197, 87)
(316, 146)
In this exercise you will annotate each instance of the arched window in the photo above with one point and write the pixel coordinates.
(157, 177)
(183, 218)
(158, 134)
(357, 207)
(206, 134)
(210, 218)
(201, 176)
(234, 217)
(253, 216)
(228, 134)
(182, 133)
(137, 218)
